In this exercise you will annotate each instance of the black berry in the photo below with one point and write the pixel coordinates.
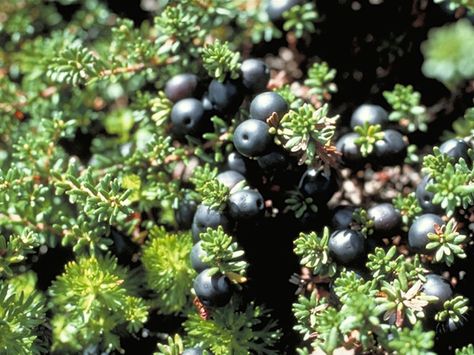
(391, 150)
(226, 96)
(207, 217)
(188, 118)
(230, 178)
(437, 286)
(351, 155)
(246, 204)
(252, 139)
(276, 8)
(265, 104)
(184, 214)
(192, 351)
(181, 86)
(212, 291)
(273, 161)
(386, 218)
(425, 198)
(455, 148)
(196, 257)
(347, 246)
(318, 184)
(342, 217)
(237, 162)
(371, 114)
(255, 75)
(418, 233)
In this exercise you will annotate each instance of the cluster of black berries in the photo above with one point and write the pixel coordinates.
(388, 151)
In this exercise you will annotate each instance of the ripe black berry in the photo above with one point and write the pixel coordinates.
(185, 213)
(207, 217)
(255, 75)
(371, 114)
(437, 286)
(192, 351)
(212, 291)
(230, 178)
(226, 97)
(455, 148)
(246, 204)
(273, 161)
(181, 86)
(351, 155)
(391, 150)
(418, 233)
(342, 217)
(386, 218)
(347, 246)
(264, 104)
(252, 139)
(237, 162)
(276, 8)
(425, 198)
(196, 257)
(188, 117)
(318, 184)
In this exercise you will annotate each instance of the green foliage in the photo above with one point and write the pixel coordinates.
(406, 107)
(402, 299)
(408, 206)
(453, 309)
(293, 101)
(348, 283)
(452, 183)
(90, 300)
(212, 192)
(21, 314)
(362, 222)
(307, 132)
(300, 19)
(466, 350)
(223, 254)
(234, 331)
(220, 61)
(369, 135)
(15, 249)
(446, 51)
(299, 203)
(321, 81)
(455, 4)
(463, 127)
(168, 269)
(173, 347)
(306, 311)
(447, 243)
(314, 252)
(415, 341)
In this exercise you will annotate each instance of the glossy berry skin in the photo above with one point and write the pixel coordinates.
(347, 246)
(418, 232)
(273, 161)
(436, 285)
(252, 139)
(264, 104)
(196, 257)
(237, 162)
(230, 178)
(188, 118)
(246, 204)
(255, 75)
(342, 217)
(386, 219)
(181, 86)
(425, 198)
(351, 155)
(455, 148)
(318, 185)
(226, 97)
(212, 291)
(276, 8)
(192, 351)
(206, 217)
(391, 150)
(185, 213)
(373, 114)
